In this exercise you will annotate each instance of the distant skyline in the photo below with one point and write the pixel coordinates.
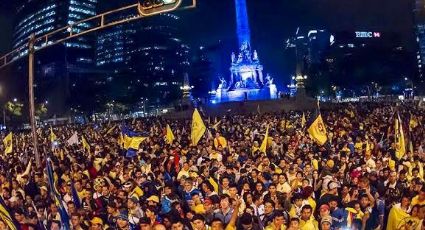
(272, 22)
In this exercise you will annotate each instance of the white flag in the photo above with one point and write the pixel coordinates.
(73, 140)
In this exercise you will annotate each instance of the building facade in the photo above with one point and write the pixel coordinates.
(147, 58)
(57, 68)
(351, 60)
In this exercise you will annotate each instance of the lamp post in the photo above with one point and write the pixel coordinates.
(31, 97)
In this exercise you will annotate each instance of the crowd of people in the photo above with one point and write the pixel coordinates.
(226, 181)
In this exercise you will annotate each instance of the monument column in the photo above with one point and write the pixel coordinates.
(242, 23)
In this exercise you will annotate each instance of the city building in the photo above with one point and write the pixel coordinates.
(350, 58)
(40, 17)
(147, 55)
(57, 68)
(419, 17)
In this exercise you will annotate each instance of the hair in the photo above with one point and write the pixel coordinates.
(224, 196)
(198, 217)
(307, 206)
(295, 219)
(271, 202)
(278, 214)
(246, 219)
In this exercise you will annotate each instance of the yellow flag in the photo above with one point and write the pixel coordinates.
(413, 123)
(169, 136)
(8, 143)
(127, 141)
(52, 135)
(6, 217)
(317, 130)
(135, 142)
(400, 144)
(303, 121)
(198, 127)
(86, 145)
(263, 146)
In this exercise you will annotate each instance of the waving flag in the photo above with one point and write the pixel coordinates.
(317, 129)
(54, 193)
(8, 143)
(5, 216)
(169, 136)
(198, 127)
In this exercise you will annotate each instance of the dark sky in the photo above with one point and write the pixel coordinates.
(272, 21)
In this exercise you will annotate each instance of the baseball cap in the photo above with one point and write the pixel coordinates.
(326, 219)
(333, 185)
(153, 198)
(96, 220)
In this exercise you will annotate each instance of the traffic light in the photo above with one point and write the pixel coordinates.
(151, 7)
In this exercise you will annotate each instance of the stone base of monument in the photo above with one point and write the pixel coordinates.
(242, 94)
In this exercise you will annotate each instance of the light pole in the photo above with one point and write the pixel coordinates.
(31, 97)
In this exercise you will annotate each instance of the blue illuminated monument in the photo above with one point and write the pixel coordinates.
(246, 80)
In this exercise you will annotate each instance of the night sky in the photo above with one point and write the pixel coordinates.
(272, 21)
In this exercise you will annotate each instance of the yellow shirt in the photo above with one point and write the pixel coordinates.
(198, 209)
(312, 203)
(311, 224)
(182, 173)
(273, 227)
(220, 141)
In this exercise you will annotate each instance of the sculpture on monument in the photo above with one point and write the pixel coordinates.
(246, 71)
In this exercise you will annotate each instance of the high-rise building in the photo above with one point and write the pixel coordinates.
(148, 55)
(58, 67)
(40, 17)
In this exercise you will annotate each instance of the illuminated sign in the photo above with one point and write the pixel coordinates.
(367, 34)
(151, 7)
